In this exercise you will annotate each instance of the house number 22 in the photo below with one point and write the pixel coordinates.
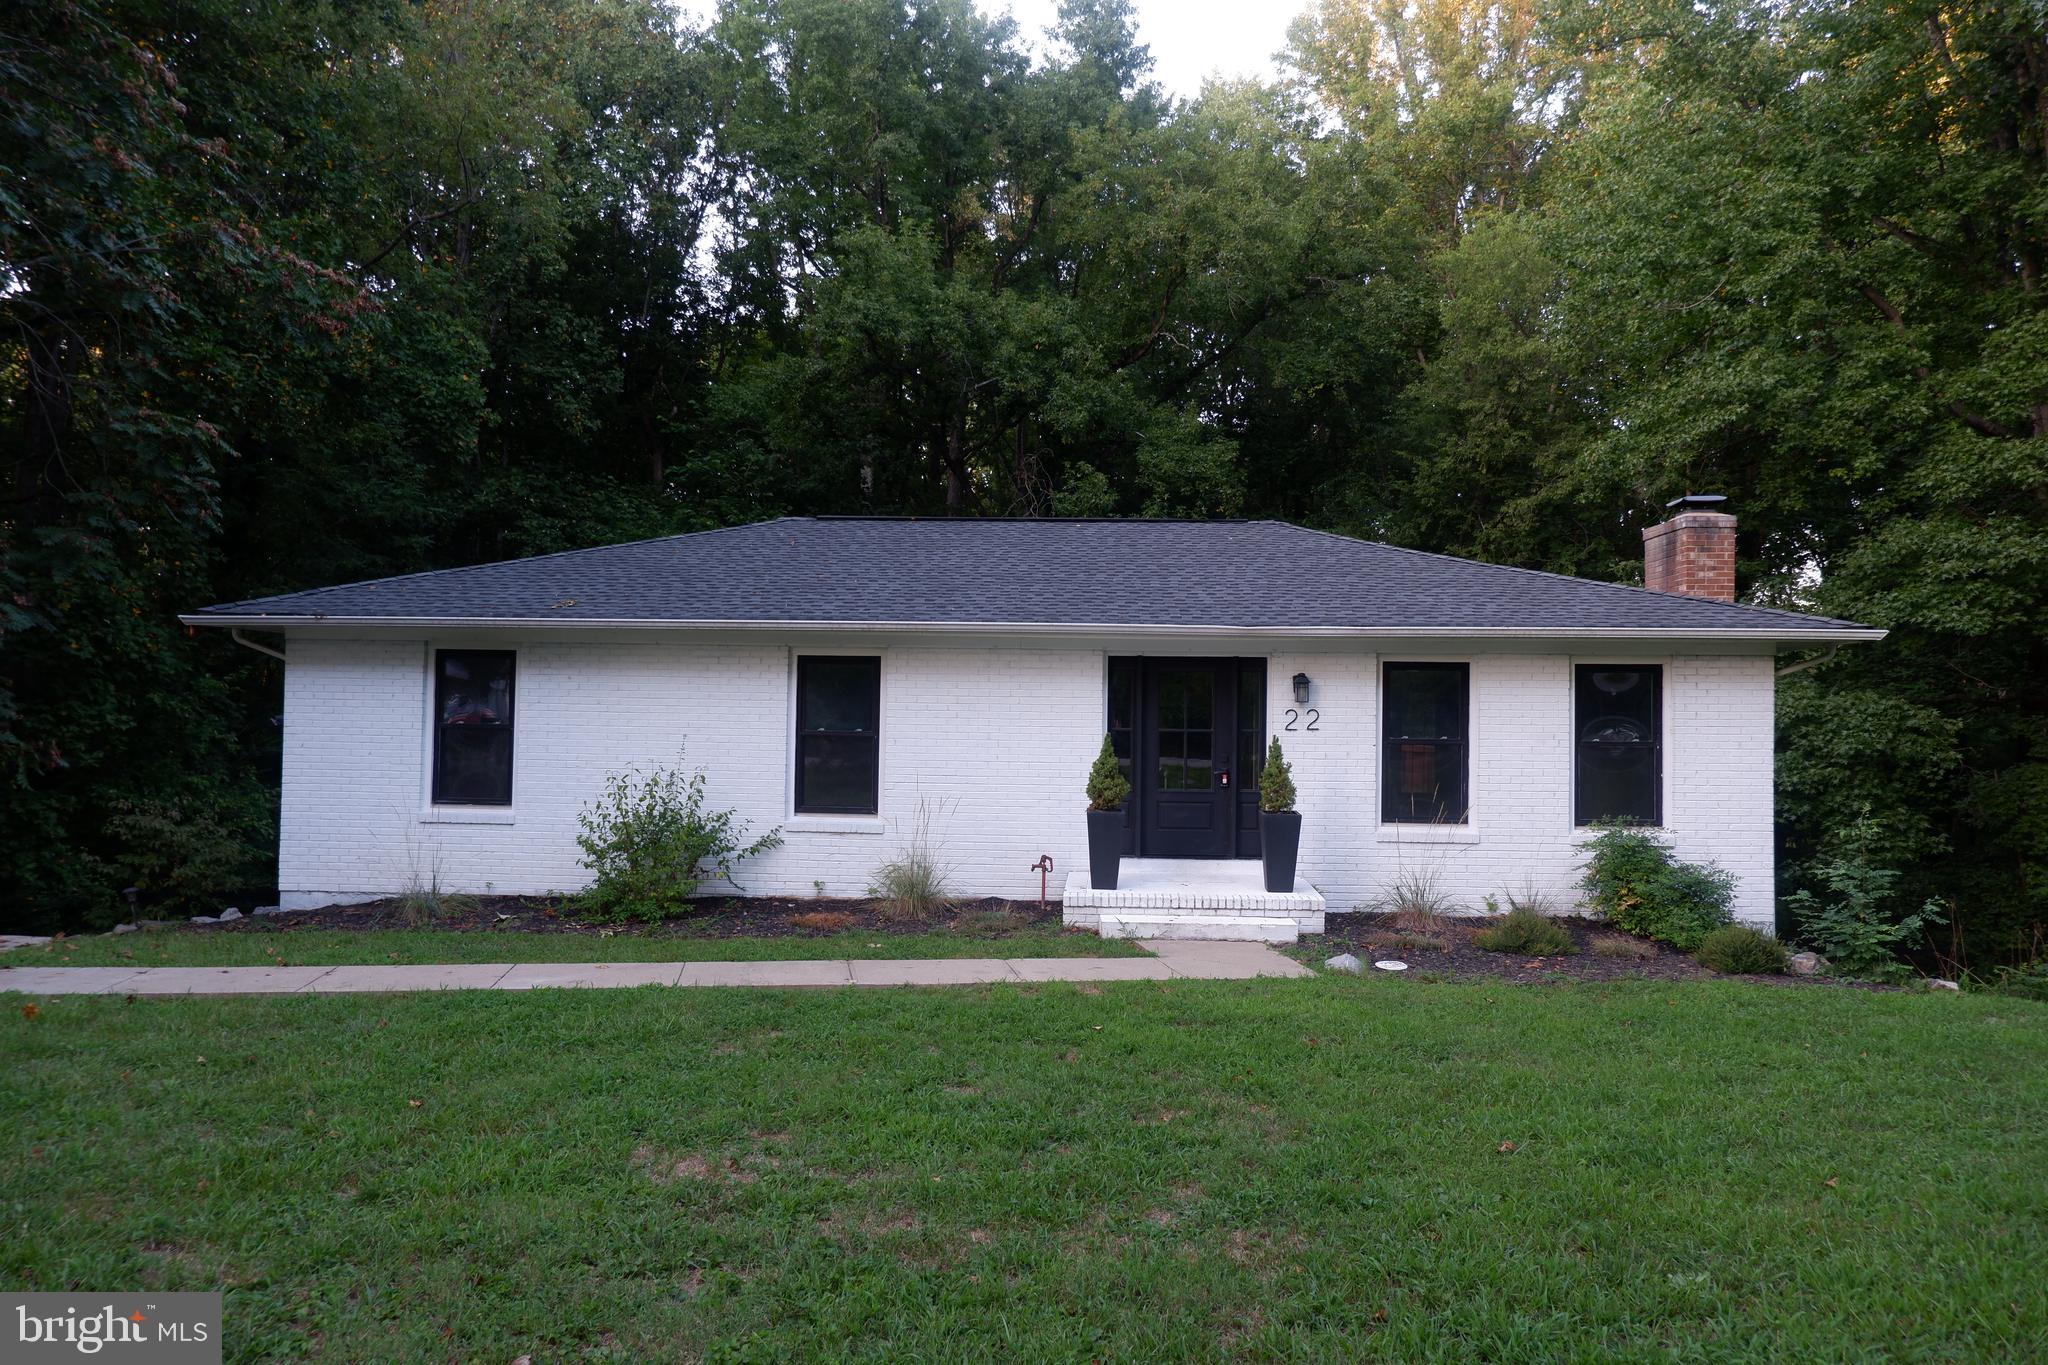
(1304, 720)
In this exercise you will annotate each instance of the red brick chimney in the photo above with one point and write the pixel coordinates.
(1693, 550)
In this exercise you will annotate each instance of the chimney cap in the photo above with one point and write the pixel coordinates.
(1697, 502)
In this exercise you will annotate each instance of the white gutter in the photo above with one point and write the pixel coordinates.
(1830, 634)
(247, 643)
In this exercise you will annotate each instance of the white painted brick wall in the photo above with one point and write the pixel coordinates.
(1717, 775)
(996, 741)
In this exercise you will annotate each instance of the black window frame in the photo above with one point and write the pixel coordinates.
(509, 724)
(1581, 675)
(873, 735)
(1462, 743)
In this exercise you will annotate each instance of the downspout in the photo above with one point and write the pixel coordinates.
(1789, 669)
(247, 643)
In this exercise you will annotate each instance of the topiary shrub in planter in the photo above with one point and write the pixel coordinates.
(1107, 790)
(1739, 950)
(651, 843)
(1279, 821)
(1526, 933)
(1632, 881)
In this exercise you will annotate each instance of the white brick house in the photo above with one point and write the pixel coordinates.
(831, 676)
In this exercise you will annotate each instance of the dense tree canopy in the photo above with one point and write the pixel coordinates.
(294, 291)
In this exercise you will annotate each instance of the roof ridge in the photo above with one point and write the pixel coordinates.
(493, 563)
(1560, 577)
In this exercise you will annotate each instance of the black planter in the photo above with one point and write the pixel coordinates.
(1105, 847)
(1279, 845)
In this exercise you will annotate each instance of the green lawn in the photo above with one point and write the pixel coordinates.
(330, 947)
(1317, 1169)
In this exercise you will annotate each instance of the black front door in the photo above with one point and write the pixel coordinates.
(1190, 734)
(1189, 726)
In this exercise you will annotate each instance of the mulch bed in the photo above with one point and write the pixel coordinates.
(1372, 937)
(709, 917)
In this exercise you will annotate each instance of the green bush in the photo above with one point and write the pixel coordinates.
(913, 884)
(1632, 881)
(1527, 933)
(1276, 780)
(651, 843)
(2029, 982)
(1739, 950)
(1107, 785)
(1851, 924)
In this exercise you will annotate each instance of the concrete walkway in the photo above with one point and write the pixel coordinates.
(1171, 960)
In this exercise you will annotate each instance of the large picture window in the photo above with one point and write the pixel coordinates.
(1425, 715)
(473, 727)
(1618, 710)
(838, 734)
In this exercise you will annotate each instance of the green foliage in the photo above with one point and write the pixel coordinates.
(179, 858)
(1416, 898)
(914, 883)
(1849, 917)
(1276, 780)
(1526, 933)
(650, 843)
(1632, 881)
(1740, 950)
(2026, 982)
(1107, 785)
(424, 900)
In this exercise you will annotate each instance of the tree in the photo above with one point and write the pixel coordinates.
(1804, 245)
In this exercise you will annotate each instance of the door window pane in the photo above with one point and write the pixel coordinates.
(473, 727)
(838, 734)
(1424, 710)
(1618, 716)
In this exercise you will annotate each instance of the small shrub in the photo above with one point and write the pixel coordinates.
(181, 857)
(1526, 933)
(1621, 945)
(1276, 780)
(423, 901)
(1632, 881)
(989, 923)
(1414, 896)
(1530, 899)
(1850, 924)
(913, 884)
(1739, 950)
(824, 921)
(2028, 982)
(1107, 785)
(651, 843)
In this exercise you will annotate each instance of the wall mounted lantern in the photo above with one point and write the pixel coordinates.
(1301, 688)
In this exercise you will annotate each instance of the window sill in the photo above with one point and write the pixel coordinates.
(468, 815)
(1428, 834)
(835, 824)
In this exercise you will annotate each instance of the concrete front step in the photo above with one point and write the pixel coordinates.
(1190, 898)
(1225, 928)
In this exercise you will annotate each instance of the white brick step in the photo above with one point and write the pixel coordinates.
(1230, 928)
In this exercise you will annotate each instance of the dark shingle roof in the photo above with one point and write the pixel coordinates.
(1035, 573)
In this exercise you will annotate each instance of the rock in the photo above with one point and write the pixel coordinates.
(268, 910)
(1807, 964)
(229, 913)
(1345, 962)
(124, 929)
(204, 919)
(1941, 983)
